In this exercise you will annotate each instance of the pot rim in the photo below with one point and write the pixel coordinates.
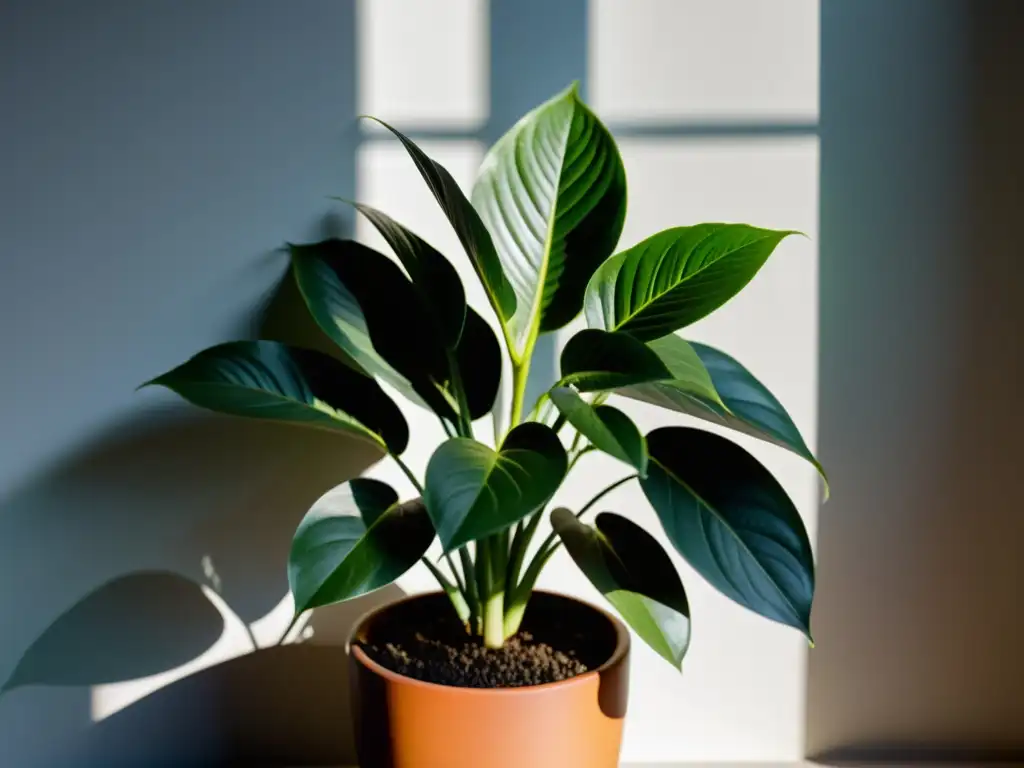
(617, 656)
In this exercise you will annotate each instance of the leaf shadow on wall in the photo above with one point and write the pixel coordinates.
(162, 491)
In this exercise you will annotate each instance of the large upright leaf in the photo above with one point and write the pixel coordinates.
(676, 277)
(337, 275)
(609, 429)
(629, 567)
(473, 491)
(552, 192)
(467, 224)
(732, 521)
(366, 542)
(595, 360)
(432, 275)
(268, 380)
(745, 405)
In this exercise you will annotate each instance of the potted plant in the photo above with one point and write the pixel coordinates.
(530, 678)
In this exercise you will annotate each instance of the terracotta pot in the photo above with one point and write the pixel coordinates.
(577, 723)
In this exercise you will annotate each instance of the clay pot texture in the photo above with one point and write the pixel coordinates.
(401, 722)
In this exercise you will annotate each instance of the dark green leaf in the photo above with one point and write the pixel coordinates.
(596, 360)
(268, 380)
(397, 319)
(552, 192)
(432, 274)
(746, 405)
(479, 359)
(473, 491)
(609, 429)
(676, 277)
(128, 628)
(366, 544)
(631, 569)
(732, 521)
(467, 224)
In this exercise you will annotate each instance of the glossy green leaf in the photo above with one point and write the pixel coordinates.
(366, 542)
(268, 380)
(468, 226)
(676, 277)
(745, 405)
(732, 521)
(337, 313)
(478, 356)
(595, 360)
(473, 491)
(630, 568)
(432, 275)
(335, 275)
(609, 429)
(552, 192)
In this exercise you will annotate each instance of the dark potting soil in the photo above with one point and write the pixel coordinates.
(422, 639)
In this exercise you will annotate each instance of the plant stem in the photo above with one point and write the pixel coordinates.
(552, 542)
(494, 620)
(408, 473)
(520, 375)
(454, 594)
(291, 625)
(472, 594)
(465, 422)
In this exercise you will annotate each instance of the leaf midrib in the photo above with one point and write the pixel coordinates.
(694, 247)
(735, 536)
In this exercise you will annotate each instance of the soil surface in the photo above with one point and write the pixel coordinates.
(426, 642)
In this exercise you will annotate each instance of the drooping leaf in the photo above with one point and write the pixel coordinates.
(366, 543)
(473, 491)
(397, 319)
(630, 568)
(608, 428)
(745, 405)
(676, 277)
(552, 192)
(467, 224)
(127, 628)
(431, 273)
(732, 521)
(479, 359)
(595, 360)
(269, 380)
(337, 313)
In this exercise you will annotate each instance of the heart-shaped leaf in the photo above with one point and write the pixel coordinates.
(269, 380)
(676, 277)
(478, 357)
(467, 225)
(552, 192)
(630, 568)
(609, 429)
(595, 360)
(366, 543)
(732, 521)
(473, 491)
(746, 405)
(128, 628)
(433, 276)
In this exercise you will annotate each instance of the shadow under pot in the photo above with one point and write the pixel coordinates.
(405, 718)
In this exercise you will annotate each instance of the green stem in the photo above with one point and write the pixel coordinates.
(291, 625)
(552, 542)
(494, 620)
(520, 375)
(456, 597)
(465, 422)
(472, 593)
(408, 473)
(520, 544)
